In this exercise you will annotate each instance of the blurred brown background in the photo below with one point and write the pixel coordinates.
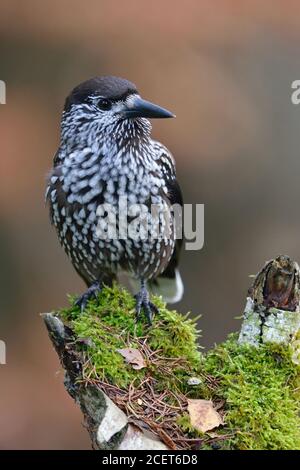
(225, 68)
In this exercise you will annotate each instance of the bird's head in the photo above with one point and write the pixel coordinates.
(107, 101)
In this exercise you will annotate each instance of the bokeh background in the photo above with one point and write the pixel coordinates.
(225, 68)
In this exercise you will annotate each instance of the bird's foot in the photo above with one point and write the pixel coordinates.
(91, 292)
(143, 302)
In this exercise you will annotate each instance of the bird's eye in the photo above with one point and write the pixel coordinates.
(105, 105)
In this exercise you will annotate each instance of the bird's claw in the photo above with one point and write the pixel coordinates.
(143, 302)
(91, 292)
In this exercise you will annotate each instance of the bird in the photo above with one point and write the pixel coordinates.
(106, 153)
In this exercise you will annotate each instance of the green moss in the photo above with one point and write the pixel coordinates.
(108, 324)
(258, 386)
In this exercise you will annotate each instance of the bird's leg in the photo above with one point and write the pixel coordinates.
(91, 292)
(143, 302)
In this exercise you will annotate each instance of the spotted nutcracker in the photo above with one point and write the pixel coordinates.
(106, 153)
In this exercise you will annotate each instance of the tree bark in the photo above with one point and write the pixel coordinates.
(107, 425)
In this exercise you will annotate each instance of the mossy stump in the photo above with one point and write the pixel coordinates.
(134, 382)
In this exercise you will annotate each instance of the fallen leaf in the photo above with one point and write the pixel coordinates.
(134, 357)
(203, 416)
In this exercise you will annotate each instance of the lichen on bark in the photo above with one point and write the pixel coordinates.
(272, 313)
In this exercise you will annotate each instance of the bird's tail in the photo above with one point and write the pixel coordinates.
(169, 285)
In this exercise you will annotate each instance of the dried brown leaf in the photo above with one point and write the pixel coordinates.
(134, 357)
(203, 416)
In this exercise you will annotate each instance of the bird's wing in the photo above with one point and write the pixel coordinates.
(169, 283)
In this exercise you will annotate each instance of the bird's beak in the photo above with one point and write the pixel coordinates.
(137, 107)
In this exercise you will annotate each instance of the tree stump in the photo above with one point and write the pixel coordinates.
(225, 378)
